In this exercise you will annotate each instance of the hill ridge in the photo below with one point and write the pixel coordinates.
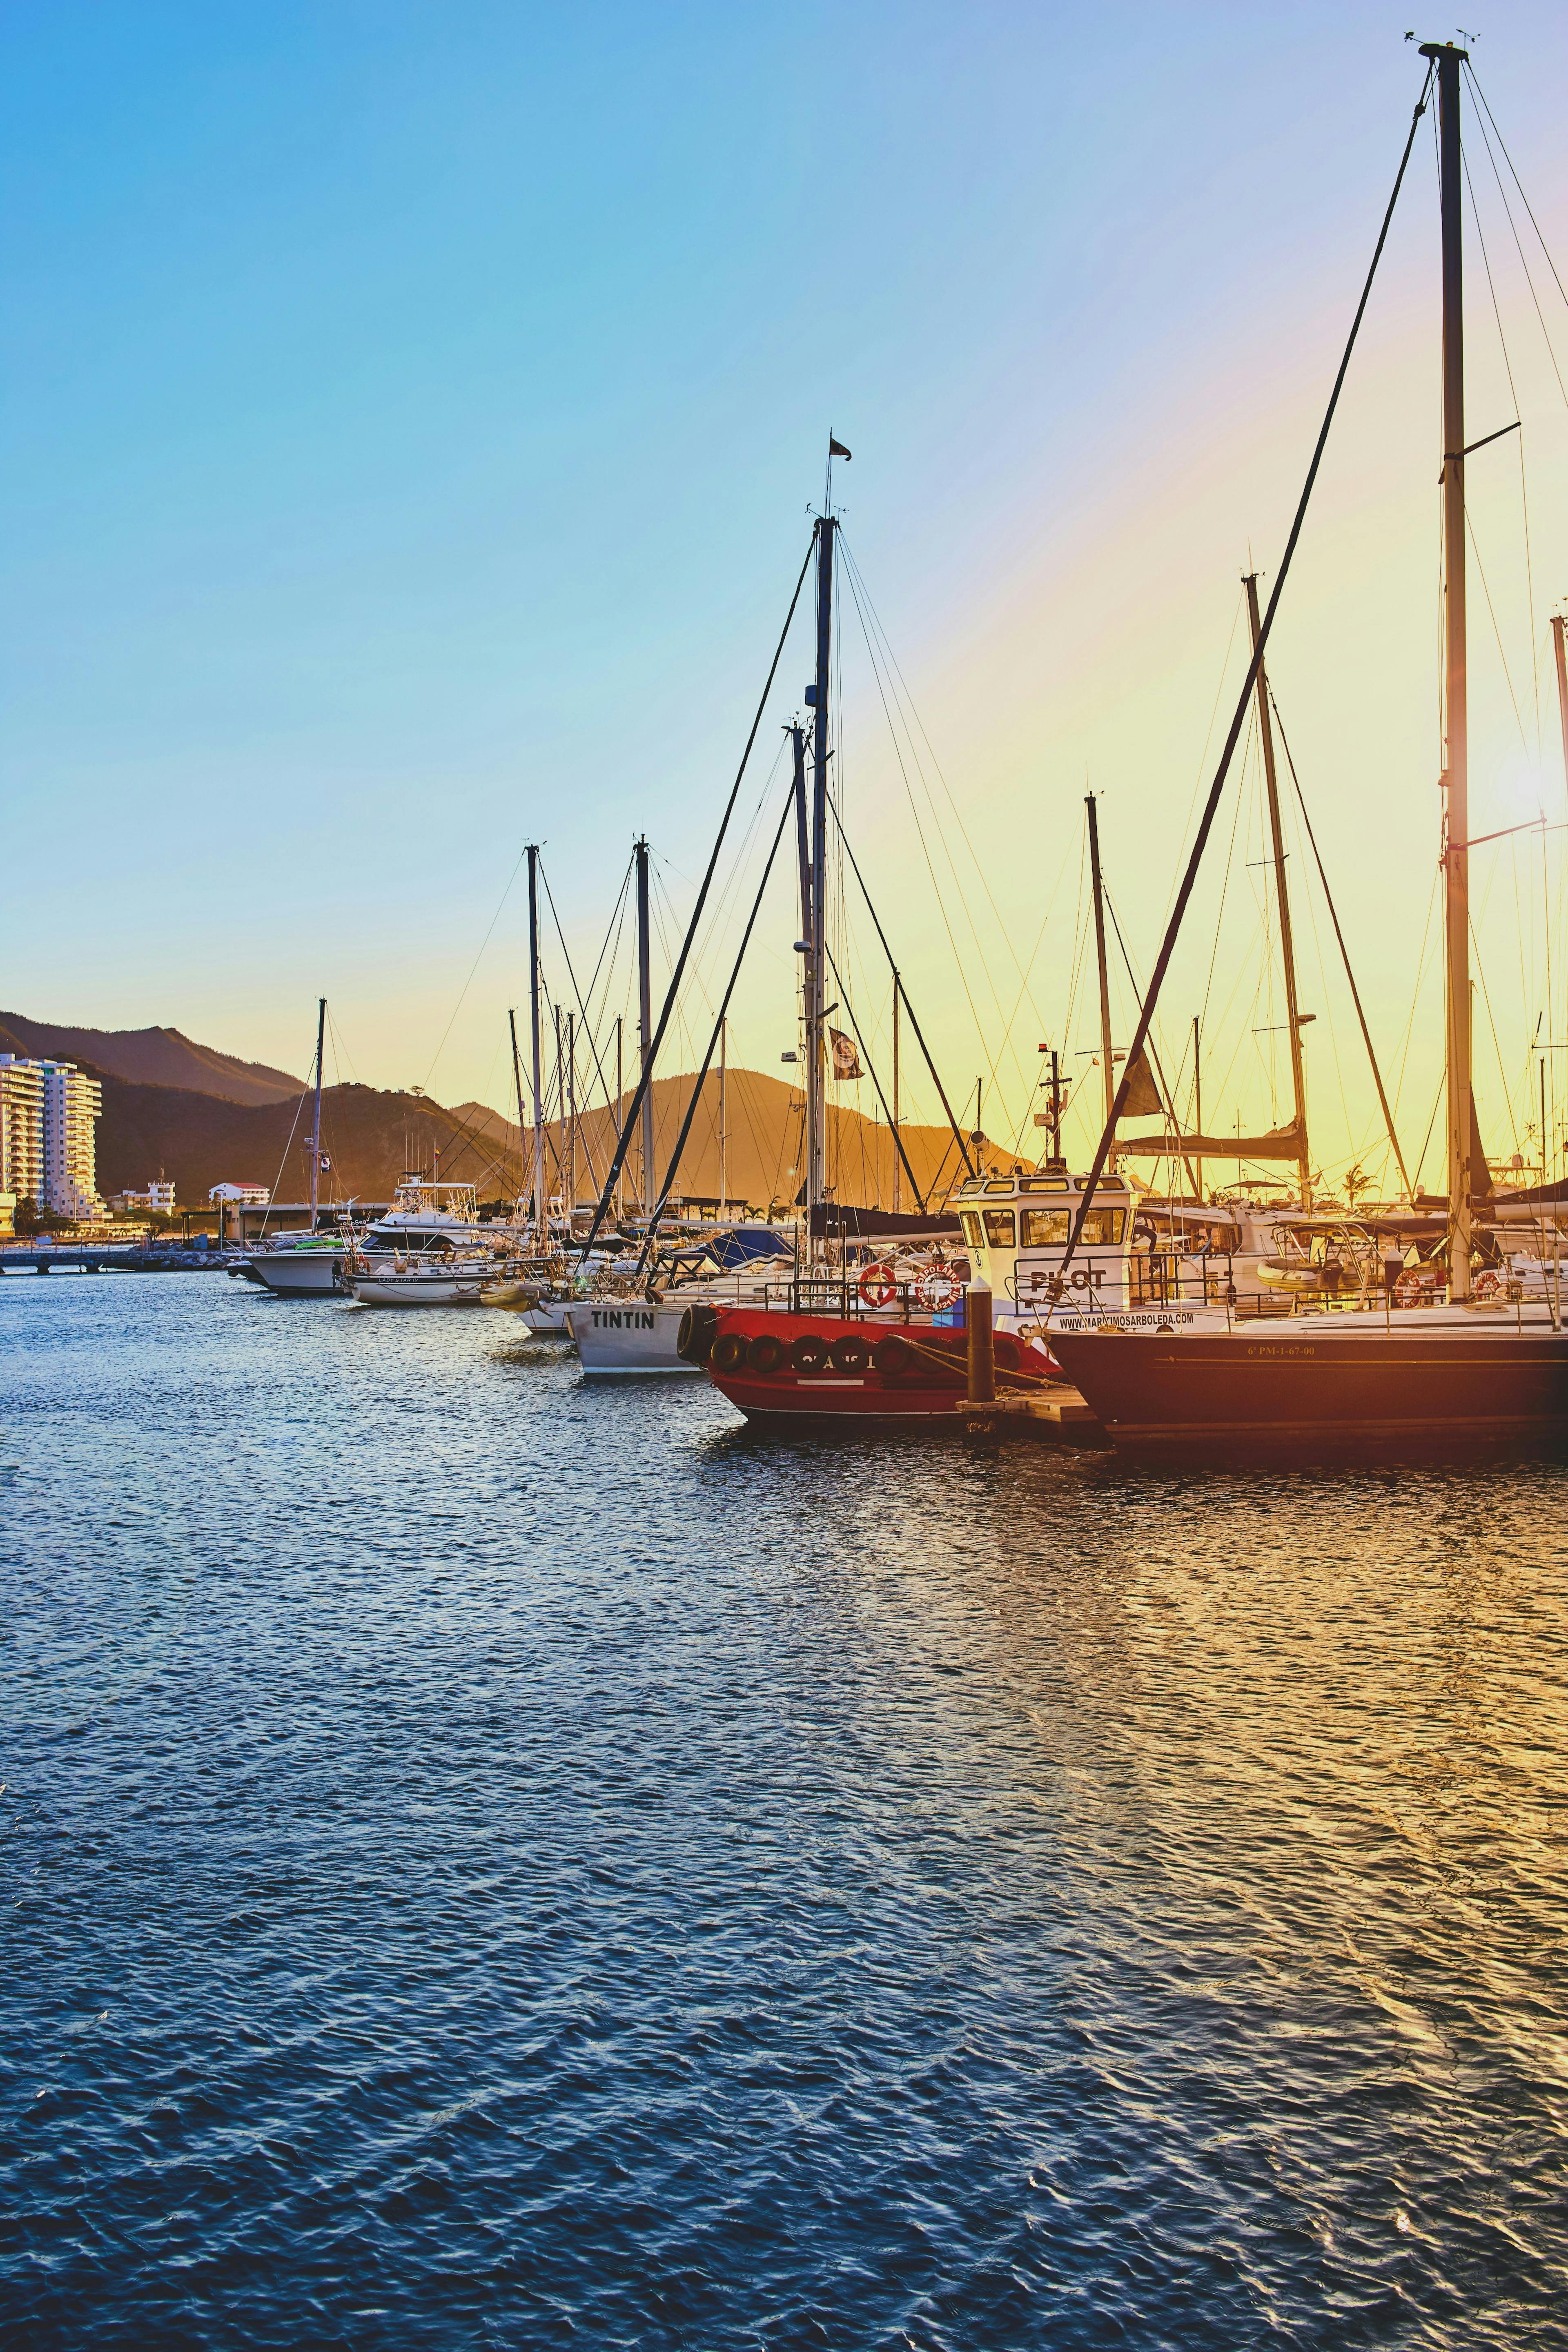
(151, 1056)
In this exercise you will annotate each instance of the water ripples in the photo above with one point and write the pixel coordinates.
(489, 1861)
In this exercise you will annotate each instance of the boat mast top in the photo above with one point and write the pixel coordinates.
(1282, 896)
(1447, 59)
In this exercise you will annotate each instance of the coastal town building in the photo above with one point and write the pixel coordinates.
(248, 1196)
(156, 1195)
(49, 1113)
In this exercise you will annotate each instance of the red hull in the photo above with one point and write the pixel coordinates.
(929, 1388)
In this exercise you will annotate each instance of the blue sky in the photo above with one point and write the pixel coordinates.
(408, 417)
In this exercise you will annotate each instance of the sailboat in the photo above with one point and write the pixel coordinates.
(1470, 1369)
(307, 1265)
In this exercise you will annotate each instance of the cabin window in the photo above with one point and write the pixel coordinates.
(1046, 1228)
(970, 1219)
(999, 1229)
(1103, 1228)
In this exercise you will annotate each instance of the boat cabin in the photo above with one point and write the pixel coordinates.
(1017, 1229)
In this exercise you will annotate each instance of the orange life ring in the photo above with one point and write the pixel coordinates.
(877, 1285)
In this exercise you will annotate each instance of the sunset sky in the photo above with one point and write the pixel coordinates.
(409, 417)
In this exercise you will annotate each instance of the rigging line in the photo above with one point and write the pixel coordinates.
(646, 1073)
(1523, 495)
(1486, 591)
(859, 590)
(1167, 946)
(1332, 1029)
(340, 1045)
(613, 926)
(1426, 1138)
(1225, 885)
(1170, 1109)
(914, 711)
(609, 976)
(925, 852)
(474, 966)
(721, 904)
(592, 1044)
(903, 991)
(1518, 182)
(288, 1147)
(1423, 964)
(1214, 714)
(669, 1174)
(1345, 951)
(875, 1081)
(1497, 1048)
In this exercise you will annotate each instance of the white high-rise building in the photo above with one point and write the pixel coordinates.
(21, 1128)
(49, 1112)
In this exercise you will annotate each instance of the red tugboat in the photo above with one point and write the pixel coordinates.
(777, 1366)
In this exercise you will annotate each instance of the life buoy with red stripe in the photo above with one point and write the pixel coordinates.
(877, 1285)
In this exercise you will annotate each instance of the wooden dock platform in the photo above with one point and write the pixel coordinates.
(1053, 1416)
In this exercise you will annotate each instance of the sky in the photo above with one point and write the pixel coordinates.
(410, 419)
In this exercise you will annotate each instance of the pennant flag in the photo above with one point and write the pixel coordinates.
(1142, 1095)
(836, 448)
(845, 1061)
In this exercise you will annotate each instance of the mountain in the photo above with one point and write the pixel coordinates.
(159, 1057)
(201, 1139)
(765, 1158)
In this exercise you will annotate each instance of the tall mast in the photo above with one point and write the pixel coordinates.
(316, 1131)
(560, 1113)
(1106, 1054)
(897, 1168)
(1197, 1106)
(802, 836)
(541, 1214)
(1456, 851)
(816, 996)
(620, 1101)
(1282, 896)
(724, 1106)
(645, 1021)
(517, 1080)
(571, 1119)
(1557, 628)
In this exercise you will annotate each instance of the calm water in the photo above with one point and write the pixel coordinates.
(492, 1862)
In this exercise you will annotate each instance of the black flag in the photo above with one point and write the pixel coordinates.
(836, 448)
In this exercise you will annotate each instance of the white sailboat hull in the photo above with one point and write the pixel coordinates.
(298, 1273)
(548, 1319)
(421, 1286)
(624, 1336)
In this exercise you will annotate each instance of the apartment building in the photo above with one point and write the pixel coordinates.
(48, 1114)
(21, 1128)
